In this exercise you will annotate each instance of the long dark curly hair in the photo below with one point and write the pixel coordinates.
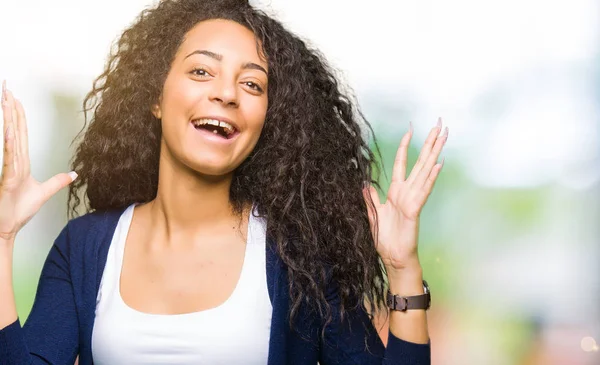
(306, 173)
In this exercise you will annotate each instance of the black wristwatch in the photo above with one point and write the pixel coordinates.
(398, 303)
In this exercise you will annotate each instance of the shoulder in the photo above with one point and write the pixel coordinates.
(90, 229)
(96, 221)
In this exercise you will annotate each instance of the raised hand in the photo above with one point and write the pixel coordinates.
(21, 196)
(398, 217)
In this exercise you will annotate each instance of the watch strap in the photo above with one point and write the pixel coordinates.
(404, 303)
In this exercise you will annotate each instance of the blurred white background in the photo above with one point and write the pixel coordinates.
(510, 237)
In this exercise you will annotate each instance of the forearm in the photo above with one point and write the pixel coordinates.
(410, 325)
(8, 308)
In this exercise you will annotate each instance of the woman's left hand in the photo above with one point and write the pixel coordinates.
(398, 218)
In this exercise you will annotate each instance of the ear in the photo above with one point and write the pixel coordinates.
(156, 111)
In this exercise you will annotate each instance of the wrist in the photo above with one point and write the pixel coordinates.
(6, 247)
(409, 268)
(406, 282)
(7, 242)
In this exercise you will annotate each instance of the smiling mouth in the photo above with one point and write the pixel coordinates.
(216, 127)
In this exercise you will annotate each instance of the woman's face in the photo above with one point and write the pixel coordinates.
(214, 99)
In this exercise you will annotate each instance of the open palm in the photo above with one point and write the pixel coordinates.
(397, 225)
(21, 196)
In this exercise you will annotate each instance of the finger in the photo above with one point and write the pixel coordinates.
(6, 115)
(431, 179)
(428, 146)
(371, 197)
(56, 183)
(8, 164)
(23, 138)
(431, 160)
(426, 150)
(372, 200)
(399, 169)
(15, 128)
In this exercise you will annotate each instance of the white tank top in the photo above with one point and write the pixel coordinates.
(235, 332)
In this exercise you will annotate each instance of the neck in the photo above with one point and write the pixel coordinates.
(189, 205)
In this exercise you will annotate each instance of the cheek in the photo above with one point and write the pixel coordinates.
(177, 97)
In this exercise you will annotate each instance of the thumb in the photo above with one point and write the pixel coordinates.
(56, 183)
(371, 200)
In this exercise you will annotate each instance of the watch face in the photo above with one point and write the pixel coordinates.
(426, 288)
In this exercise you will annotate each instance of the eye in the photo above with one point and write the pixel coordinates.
(199, 72)
(253, 86)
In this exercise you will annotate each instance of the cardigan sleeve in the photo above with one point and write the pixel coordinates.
(51, 333)
(355, 341)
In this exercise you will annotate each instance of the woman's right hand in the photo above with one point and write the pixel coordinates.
(21, 196)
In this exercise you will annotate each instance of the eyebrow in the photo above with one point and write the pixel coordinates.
(219, 57)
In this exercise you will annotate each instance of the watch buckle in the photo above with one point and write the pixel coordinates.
(400, 300)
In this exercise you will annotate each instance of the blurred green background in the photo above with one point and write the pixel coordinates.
(509, 238)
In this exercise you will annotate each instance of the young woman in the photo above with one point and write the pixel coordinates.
(230, 213)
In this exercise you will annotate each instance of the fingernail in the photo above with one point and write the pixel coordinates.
(410, 127)
(439, 122)
(446, 132)
(6, 134)
(73, 175)
(3, 90)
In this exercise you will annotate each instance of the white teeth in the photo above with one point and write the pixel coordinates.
(228, 127)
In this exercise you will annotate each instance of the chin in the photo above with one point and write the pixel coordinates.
(216, 166)
(207, 160)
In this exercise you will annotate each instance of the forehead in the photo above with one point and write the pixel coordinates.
(225, 37)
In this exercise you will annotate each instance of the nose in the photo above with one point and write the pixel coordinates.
(225, 93)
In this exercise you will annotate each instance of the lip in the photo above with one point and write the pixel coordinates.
(220, 119)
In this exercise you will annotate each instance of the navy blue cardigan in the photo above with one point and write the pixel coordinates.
(60, 324)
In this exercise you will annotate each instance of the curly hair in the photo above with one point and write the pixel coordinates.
(306, 173)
